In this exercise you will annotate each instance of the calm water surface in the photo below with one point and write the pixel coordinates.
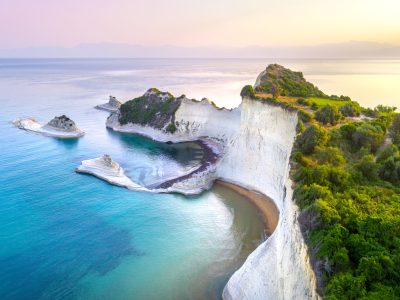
(70, 236)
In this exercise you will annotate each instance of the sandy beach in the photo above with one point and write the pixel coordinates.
(264, 204)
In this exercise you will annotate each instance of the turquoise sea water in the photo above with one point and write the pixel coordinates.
(71, 236)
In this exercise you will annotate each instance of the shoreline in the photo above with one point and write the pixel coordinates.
(264, 204)
(209, 158)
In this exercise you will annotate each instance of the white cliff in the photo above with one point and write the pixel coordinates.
(59, 127)
(257, 140)
(107, 169)
(258, 158)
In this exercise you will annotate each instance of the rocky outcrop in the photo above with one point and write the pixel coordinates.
(109, 170)
(62, 123)
(112, 105)
(256, 141)
(58, 127)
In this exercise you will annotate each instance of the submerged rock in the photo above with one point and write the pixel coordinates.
(112, 105)
(58, 127)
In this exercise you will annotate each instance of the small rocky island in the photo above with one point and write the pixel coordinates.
(58, 127)
(112, 105)
(109, 170)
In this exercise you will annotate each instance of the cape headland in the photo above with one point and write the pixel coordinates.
(331, 167)
(59, 127)
(252, 146)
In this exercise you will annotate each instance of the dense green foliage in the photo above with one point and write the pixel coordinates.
(288, 82)
(328, 114)
(348, 190)
(395, 130)
(351, 109)
(248, 91)
(313, 136)
(154, 108)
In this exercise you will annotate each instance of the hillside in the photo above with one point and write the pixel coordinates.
(346, 169)
(288, 82)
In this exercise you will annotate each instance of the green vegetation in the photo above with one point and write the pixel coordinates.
(319, 102)
(351, 109)
(287, 82)
(347, 186)
(155, 109)
(328, 114)
(348, 190)
(171, 128)
(395, 130)
(247, 91)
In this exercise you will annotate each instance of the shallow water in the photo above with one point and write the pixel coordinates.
(71, 236)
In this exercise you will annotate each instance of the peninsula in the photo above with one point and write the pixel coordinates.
(59, 127)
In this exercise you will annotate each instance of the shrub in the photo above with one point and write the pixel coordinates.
(312, 137)
(394, 130)
(303, 101)
(305, 116)
(368, 136)
(300, 127)
(314, 106)
(307, 195)
(347, 131)
(330, 155)
(171, 128)
(368, 167)
(247, 91)
(328, 114)
(351, 109)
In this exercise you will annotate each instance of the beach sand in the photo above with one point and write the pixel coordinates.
(264, 204)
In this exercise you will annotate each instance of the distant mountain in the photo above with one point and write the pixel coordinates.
(113, 50)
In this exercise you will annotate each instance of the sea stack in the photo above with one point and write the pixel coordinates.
(58, 127)
(112, 105)
(106, 168)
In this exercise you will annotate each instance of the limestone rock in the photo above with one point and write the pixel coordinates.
(63, 123)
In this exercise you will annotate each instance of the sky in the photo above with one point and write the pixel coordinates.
(233, 23)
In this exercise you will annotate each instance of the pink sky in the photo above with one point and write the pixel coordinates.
(25, 23)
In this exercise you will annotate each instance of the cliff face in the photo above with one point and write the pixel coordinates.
(256, 141)
(258, 157)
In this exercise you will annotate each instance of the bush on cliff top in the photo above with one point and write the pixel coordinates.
(247, 91)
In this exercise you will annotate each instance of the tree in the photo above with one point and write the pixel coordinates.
(312, 137)
(328, 114)
(275, 91)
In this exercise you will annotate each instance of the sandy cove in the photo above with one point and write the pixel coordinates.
(264, 204)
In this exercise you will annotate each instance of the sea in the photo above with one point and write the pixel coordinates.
(65, 235)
